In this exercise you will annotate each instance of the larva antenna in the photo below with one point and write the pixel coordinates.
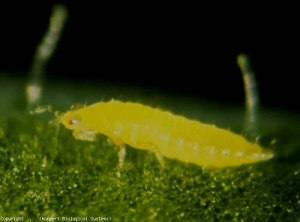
(44, 52)
(251, 94)
(42, 109)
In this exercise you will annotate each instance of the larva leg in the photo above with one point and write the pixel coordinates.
(85, 135)
(122, 151)
(153, 148)
(159, 157)
(122, 154)
(251, 93)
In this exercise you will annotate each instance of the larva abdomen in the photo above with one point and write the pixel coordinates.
(165, 134)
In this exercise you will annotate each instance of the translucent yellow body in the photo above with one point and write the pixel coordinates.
(163, 133)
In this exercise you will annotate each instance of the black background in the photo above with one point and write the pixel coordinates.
(182, 49)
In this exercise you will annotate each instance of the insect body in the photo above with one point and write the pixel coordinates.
(163, 133)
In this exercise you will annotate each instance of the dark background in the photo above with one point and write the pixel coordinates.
(181, 49)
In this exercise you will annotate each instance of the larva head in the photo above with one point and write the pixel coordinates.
(71, 120)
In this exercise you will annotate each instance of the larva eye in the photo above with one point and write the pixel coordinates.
(73, 122)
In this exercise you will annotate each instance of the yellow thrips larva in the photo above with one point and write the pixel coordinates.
(163, 133)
